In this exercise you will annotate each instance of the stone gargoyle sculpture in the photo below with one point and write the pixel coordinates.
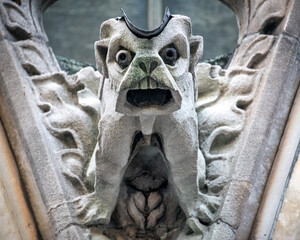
(167, 130)
(114, 153)
(147, 96)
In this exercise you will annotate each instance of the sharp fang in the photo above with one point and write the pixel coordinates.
(148, 82)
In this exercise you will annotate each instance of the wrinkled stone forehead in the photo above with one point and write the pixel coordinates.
(177, 24)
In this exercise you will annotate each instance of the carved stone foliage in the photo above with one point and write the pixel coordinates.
(70, 109)
(18, 20)
(224, 96)
(22, 22)
(26, 56)
(222, 105)
(267, 45)
(259, 16)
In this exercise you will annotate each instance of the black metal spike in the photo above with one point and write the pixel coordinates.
(141, 33)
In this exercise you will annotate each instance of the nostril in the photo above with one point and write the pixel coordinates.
(143, 66)
(153, 65)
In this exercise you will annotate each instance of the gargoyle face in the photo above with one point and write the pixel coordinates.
(150, 76)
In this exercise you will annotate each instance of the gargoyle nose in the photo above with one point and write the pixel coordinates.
(148, 68)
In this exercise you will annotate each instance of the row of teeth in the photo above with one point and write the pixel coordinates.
(148, 83)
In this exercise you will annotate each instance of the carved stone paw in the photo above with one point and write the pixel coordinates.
(91, 210)
(198, 230)
(202, 216)
(195, 225)
(207, 207)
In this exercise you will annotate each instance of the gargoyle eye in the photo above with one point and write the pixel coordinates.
(123, 58)
(169, 55)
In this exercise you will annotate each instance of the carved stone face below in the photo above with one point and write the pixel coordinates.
(149, 75)
(147, 207)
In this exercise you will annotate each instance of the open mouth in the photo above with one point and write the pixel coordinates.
(149, 97)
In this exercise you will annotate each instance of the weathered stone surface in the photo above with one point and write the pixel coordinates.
(256, 50)
(25, 131)
(286, 156)
(11, 97)
(146, 177)
(221, 230)
(15, 215)
(10, 230)
(290, 23)
(234, 203)
(259, 16)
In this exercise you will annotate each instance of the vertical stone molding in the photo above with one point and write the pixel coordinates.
(24, 54)
(276, 198)
(15, 214)
(287, 226)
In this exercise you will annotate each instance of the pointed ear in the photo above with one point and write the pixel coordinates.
(101, 46)
(101, 49)
(196, 50)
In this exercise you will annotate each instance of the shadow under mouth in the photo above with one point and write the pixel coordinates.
(147, 181)
(149, 97)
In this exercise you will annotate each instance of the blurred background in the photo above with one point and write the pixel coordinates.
(73, 25)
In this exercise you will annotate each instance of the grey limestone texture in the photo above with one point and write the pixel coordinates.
(152, 144)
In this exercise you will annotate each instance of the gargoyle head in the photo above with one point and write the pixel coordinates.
(151, 75)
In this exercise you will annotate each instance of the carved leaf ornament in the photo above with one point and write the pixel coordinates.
(71, 110)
